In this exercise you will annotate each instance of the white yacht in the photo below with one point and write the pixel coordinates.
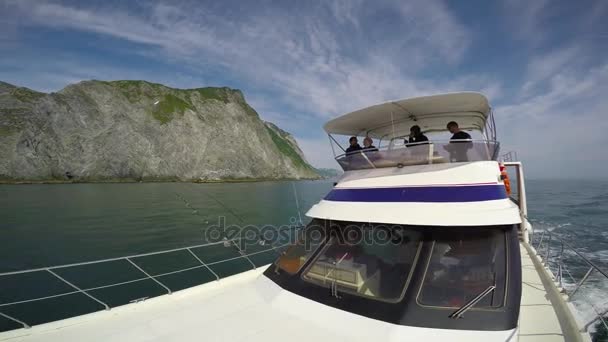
(423, 241)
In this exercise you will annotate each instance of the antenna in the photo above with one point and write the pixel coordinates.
(295, 195)
(393, 124)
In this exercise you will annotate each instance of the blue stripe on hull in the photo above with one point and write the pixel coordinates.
(420, 194)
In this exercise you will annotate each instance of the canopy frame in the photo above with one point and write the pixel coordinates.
(391, 119)
(470, 109)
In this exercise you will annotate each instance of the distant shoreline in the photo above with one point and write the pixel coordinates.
(168, 180)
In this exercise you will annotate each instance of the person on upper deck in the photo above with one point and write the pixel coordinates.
(368, 145)
(458, 152)
(354, 145)
(457, 133)
(416, 135)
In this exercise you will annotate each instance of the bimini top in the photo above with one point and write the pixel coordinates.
(431, 113)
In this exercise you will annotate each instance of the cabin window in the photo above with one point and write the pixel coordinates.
(308, 241)
(376, 266)
(462, 265)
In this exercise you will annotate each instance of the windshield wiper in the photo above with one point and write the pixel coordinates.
(334, 284)
(458, 313)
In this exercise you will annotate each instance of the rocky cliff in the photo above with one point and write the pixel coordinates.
(136, 130)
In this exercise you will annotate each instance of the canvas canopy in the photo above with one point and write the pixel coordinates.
(394, 119)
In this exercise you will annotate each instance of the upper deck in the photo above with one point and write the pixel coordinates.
(390, 123)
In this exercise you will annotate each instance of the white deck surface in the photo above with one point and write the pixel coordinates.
(537, 318)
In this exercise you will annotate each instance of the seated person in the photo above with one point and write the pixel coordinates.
(354, 145)
(367, 145)
(416, 135)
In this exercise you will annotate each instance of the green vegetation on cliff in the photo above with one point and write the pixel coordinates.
(167, 107)
(177, 101)
(26, 95)
(11, 120)
(213, 93)
(287, 150)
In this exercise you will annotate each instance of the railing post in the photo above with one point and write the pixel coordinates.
(559, 277)
(578, 286)
(202, 263)
(242, 253)
(540, 242)
(547, 255)
(149, 276)
(25, 325)
(78, 289)
(559, 266)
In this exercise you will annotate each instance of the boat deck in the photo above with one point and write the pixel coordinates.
(208, 310)
(539, 320)
(535, 304)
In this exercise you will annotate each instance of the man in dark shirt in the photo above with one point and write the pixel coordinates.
(416, 135)
(458, 152)
(354, 145)
(457, 133)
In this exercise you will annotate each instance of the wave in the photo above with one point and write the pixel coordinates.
(588, 306)
(587, 211)
(600, 197)
(591, 203)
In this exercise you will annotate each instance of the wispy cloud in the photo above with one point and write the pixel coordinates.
(527, 19)
(303, 63)
(544, 66)
(562, 130)
(301, 56)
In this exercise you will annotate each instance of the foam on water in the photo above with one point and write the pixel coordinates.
(578, 212)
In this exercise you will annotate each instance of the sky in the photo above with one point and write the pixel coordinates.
(543, 64)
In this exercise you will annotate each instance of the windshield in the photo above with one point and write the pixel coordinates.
(308, 241)
(461, 266)
(410, 275)
(375, 264)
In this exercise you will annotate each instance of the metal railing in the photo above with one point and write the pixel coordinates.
(553, 259)
(510, 156)
(427, 152)
(145, 275)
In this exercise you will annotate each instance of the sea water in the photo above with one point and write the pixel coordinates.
(43, 225)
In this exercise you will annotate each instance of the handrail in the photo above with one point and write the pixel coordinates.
(111, 259)
(546, 259)
(510, 156)
(405, 146)
(147, 276)
(420, 153)
(570, 247)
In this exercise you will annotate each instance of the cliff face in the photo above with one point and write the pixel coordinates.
(135, 130)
